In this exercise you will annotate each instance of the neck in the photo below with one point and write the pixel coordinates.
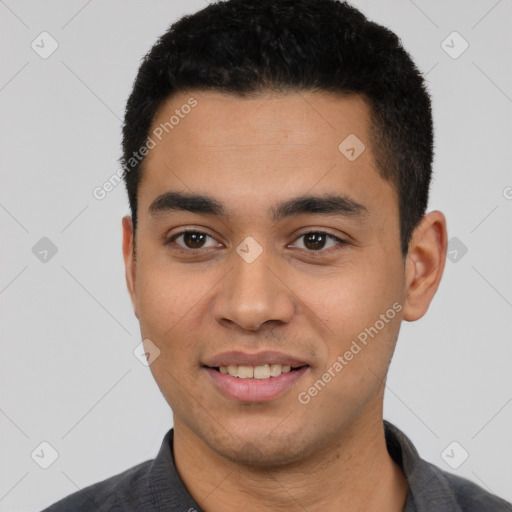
(338, 478)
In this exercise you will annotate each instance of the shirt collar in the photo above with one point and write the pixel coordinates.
(428, 487)
(166, 487)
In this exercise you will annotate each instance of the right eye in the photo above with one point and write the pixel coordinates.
(191, 240)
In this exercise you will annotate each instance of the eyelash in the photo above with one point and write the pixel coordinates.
(171, 239)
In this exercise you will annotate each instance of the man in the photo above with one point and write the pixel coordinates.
(277, 158)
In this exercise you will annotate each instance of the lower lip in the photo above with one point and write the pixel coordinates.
(255, 390)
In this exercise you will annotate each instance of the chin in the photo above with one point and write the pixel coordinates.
(261, 447)
(262, 454)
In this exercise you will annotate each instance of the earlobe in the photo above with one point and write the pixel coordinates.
(424, 264)
(130, 262)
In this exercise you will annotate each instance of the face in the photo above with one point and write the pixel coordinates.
(288, 265)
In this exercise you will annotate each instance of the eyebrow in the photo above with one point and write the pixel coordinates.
(329, 204)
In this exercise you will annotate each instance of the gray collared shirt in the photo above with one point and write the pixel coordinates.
(155, 486)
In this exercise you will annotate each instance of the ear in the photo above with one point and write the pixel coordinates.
(130, 261)
(424, 264)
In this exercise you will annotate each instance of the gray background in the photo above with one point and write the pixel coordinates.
(68, 375)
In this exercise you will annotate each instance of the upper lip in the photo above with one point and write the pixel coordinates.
(237, 358)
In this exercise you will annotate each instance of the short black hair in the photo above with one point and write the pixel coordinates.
(249, 47)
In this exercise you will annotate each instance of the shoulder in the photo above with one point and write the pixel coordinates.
(471, 497)
(112, 494)
(432, 488)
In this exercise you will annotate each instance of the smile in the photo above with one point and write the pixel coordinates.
(265, 371)
(251, 388)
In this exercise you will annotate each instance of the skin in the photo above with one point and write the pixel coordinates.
(250, 154)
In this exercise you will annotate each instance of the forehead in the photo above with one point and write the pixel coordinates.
(270, 119)
(266, 146)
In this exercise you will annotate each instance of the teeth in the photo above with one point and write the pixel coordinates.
(275, 370)
(264, 371)
(245, 372)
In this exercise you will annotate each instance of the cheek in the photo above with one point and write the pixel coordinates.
(351, 297)
(361, 306)
(167, 294)
(158, 302)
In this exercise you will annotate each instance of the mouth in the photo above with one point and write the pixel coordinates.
(255, 378)
(264, 371)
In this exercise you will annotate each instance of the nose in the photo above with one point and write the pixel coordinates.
(254, 294)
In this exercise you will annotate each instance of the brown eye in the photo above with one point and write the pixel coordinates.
(315, 241)
(319, 241)
(194, 240)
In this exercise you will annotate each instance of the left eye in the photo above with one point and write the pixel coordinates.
(318, 240)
